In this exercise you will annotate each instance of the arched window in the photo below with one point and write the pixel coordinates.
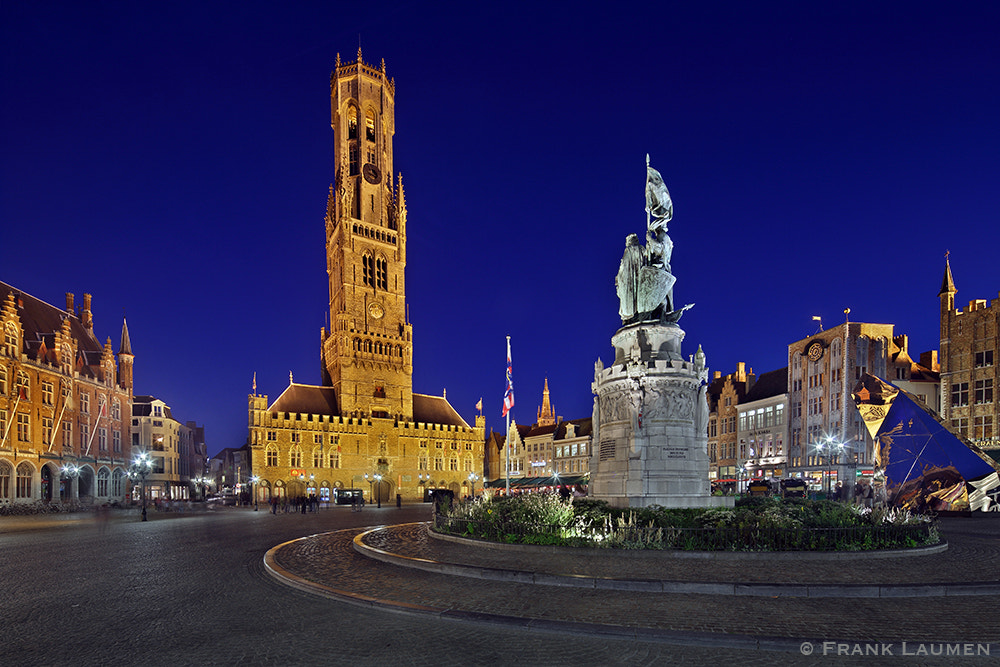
(116, 409)
(24, 472)
(317, 457)
(102, 482)
(352, 122)
(370, 125)
(271, 456)
(118, 483)
(6, 473)
(368, 346)
(295, 457)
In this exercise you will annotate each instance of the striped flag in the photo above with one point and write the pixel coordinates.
(508, 397)
(479, 405)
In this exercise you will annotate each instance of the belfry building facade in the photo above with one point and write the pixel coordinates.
(363, 427)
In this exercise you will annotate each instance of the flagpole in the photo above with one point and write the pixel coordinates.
(55, 429)
(507, 413)
(100, 413)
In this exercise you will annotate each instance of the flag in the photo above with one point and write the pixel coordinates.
(255, 383)
(479, 405)
(508, 397)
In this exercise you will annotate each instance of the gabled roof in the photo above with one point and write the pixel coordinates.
(769, 385)
(40, 320)
(436, 410)
(583, 427)
(307, 399)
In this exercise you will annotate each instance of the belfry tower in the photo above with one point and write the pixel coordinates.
(367, 355)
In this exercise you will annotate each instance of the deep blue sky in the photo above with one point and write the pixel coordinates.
(173, 159)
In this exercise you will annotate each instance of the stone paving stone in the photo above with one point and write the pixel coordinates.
(330, 559)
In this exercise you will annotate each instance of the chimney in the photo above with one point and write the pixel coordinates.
(929, 360)
(69, 303)
(85, 317)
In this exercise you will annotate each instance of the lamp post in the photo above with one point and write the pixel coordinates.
(378, 496)
(253, 489)
(828, 449)
(141, 466)
(472, 482)
(424, 479)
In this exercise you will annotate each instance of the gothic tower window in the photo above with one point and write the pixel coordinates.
(381, 273)
(352, 122)
(368, 270)
(353, 153)
(370, 125)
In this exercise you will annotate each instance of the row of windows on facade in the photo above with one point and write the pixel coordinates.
(369, 346)
(25, 473)
(816, 380)
(317, 438)
(23, 390)
(975, 428)
(332, 460)
(377, 234)
(751, 449)
(859, 458)
(23, 433)
(983, 359)
(982, 393)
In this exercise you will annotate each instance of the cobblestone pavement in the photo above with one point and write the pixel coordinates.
(192, 590)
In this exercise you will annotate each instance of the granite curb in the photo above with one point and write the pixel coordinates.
(668, 586)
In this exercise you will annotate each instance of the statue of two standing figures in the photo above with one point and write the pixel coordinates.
(644, 283)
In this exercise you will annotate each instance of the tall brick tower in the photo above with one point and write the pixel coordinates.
(367, 355)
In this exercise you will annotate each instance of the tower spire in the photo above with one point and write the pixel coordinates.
(545, 414)
(948, 284)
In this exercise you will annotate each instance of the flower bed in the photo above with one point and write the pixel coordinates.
(754, 524)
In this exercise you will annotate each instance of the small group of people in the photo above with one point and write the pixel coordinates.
(301, 504)
(864, 495)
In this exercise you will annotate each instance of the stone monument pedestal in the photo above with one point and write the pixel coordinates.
(650, 418)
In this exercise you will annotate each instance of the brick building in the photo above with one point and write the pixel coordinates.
(970, 353)
(63, 395)
(724, 394)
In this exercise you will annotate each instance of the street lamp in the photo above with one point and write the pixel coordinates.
(253, 489)
(424, 480)
(828, 449)
(378, 497)
(141, 466)
(472, 482)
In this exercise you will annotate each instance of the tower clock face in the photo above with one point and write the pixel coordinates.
(376, 311)
(371, 173)
(814, 352)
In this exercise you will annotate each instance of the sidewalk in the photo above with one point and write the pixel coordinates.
(943, 597)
